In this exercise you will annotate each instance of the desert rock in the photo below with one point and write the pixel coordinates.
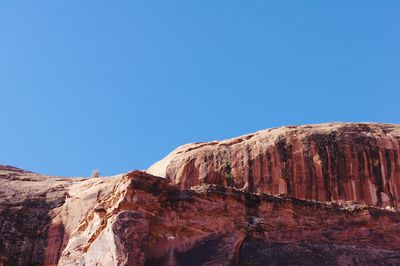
(325, 162)
(310, 195)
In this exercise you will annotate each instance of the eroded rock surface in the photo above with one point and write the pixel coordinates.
(323, 162)
(254, 212)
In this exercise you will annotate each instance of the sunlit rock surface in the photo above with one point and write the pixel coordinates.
(311, 195)
(323, 162)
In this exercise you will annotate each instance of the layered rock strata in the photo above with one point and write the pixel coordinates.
(141, 219)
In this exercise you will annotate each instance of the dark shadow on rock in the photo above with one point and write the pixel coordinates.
(24, 231)
(258, 252)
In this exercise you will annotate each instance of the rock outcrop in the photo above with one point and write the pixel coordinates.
(219, 203)
(338, 161)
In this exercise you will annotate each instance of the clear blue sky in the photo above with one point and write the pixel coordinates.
(116, 85)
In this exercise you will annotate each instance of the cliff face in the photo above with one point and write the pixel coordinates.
(39, 213)
(321, 162)
(140, 219)
(197, 208)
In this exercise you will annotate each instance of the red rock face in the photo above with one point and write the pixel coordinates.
(140, 219)
(321, 162)
(219, 205)
(154, 223)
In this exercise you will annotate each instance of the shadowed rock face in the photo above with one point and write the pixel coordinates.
(25, 204)
(262, 252)
(142, 219)
(321, 162)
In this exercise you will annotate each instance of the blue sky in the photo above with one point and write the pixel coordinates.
(116, 85)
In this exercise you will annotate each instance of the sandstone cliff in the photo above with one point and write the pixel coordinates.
(321, 162)
(310, 195)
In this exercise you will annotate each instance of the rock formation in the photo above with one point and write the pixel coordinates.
(321, 162)
(311, 195)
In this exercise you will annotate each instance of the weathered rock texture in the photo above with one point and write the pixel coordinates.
(199, 214)
(321, 162)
